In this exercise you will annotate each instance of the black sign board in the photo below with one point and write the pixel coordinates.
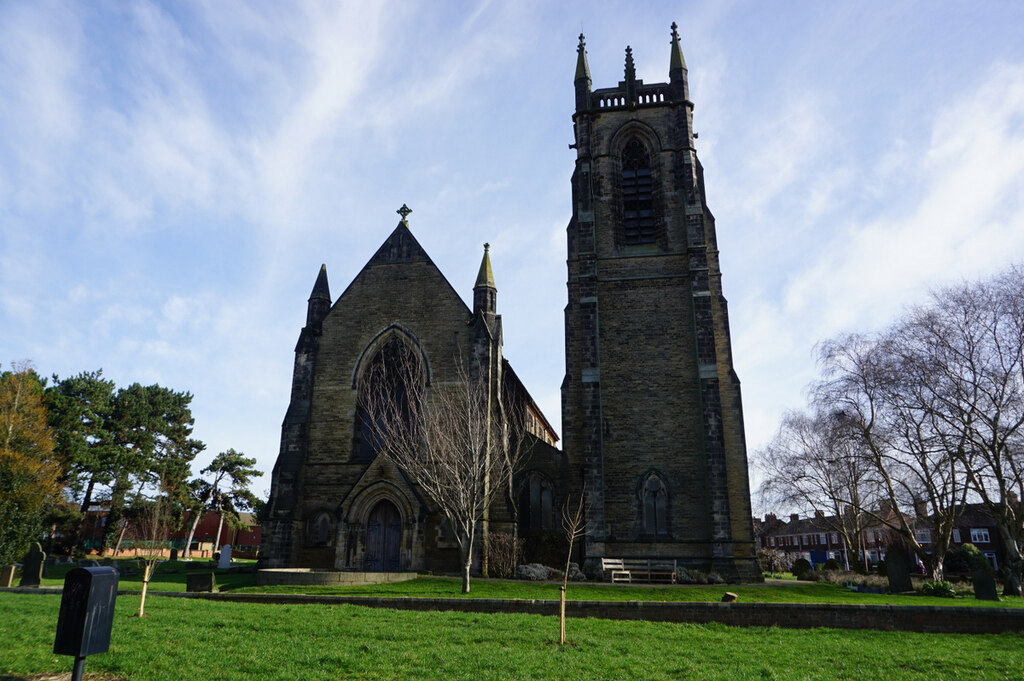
(86, 611)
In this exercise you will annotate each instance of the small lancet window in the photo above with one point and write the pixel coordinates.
(320, 529)
(654, 506)
(637, 195)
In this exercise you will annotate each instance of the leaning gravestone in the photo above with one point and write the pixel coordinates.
(200, 581)
(984, 586)
(32, 566)
(225, 557)
(7, 576)
(174, 555)
(898, 570)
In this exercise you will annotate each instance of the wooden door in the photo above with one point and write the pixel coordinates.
(383, 538)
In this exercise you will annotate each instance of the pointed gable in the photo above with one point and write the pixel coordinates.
(401, 246)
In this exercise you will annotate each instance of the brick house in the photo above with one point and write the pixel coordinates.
(245, 542)
(814, 539)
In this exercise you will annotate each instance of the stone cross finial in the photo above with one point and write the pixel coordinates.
(675, 33)
(404, 212)
(487, 247)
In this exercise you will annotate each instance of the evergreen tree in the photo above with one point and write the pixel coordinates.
(225, 489)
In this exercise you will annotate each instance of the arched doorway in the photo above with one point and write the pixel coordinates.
(383, 538)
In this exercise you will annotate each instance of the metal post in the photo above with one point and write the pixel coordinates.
(76, 673)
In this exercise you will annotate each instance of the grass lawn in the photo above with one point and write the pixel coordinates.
(795, 592)
(196, 639)
(172, 577)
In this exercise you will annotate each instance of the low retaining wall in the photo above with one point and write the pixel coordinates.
(313, 577)
(938, 619)
(923, 618)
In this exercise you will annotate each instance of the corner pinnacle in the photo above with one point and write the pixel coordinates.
(485, 278)
(677, 61)
(582, 67)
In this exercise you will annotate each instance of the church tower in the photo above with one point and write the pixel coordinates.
(651, 407)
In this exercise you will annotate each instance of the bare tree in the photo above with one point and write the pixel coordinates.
(873, 391)
(151, 523)
(770, 560)
(455, 439)
(574, 524)
(932, 409)
(810, 466)
(970, 343)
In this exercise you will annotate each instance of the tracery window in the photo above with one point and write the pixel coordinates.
(654, 506)
(638, 222)
(384, 383)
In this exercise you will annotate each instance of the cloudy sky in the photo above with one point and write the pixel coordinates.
(172, 175)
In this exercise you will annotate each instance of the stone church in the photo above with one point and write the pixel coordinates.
(651, 408)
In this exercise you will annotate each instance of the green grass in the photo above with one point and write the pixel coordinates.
(168, 577)
(172, 577)
(185, 639)
(795, 592)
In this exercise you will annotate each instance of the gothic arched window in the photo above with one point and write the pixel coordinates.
(383, 389)
(536, 503)
(638, 224)
(654, 506)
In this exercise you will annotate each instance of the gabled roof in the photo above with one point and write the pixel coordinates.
(399, 248)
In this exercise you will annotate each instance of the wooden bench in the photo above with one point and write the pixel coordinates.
(631, 570)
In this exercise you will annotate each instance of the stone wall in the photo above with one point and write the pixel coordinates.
(934, 619)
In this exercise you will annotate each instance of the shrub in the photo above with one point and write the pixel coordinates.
(689, 576)
(966, 559)
(504, 553)
(802, 569)
(831, 564)
(770, 560)
(715, 578)
(692, 576)
(938, 589)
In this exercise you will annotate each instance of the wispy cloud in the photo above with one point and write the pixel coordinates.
(968, 220)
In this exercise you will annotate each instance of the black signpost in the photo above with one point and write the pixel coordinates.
(86, 614)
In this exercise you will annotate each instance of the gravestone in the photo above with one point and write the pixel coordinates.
(225, 557)
(89, 562)
(729, 597)
(174, 555)
(200, 581)
(898, 570)
(32, 566)
(984, 586)
(7, 576)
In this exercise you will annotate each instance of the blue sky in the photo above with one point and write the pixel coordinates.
(172, 175)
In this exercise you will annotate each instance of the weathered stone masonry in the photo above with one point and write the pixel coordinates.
(651, 405)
